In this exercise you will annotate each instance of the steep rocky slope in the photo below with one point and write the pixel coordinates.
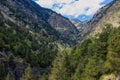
(77, 23)
(27, 13)
(109, 14)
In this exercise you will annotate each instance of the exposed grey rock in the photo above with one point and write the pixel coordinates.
(99, 20)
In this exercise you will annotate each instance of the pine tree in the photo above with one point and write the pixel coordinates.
(28, 74)
(59, 70)
(1, 72)
(8, 77)
(113, 55)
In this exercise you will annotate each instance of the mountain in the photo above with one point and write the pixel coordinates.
(35, 43)
(36, 17)
(29, 39)
(108, 14)
(77, 23)
(97, 57)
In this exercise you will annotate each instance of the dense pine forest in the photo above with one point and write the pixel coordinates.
(96, 58)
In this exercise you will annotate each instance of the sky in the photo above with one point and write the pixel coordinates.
(78, 9)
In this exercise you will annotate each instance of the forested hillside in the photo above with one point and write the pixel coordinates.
(19, 46)
(94, 59)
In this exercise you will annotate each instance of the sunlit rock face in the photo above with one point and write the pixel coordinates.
(109, 14)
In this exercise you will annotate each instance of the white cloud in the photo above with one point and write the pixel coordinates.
(45, 3)
(73, 7)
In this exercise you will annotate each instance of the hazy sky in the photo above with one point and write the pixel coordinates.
(80, 9)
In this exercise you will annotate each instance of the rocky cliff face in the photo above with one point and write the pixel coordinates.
(63, 25)
(109, 14)
(27, 13)
(77, 23)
